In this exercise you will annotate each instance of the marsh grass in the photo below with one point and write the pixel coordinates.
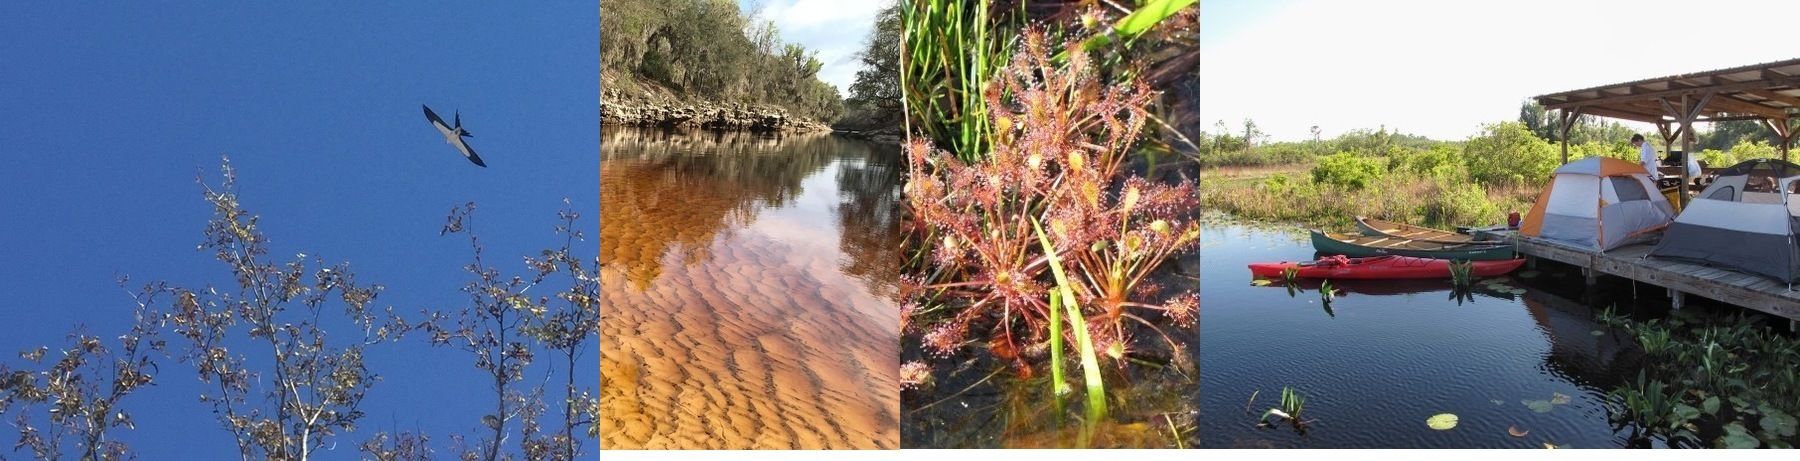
(1279, 194)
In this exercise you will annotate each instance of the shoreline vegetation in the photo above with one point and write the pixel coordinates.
(705, 64)
(1382, 173)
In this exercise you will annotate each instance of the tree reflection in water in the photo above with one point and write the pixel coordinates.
(747, 298)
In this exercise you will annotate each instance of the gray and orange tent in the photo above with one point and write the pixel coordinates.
(1599, 203)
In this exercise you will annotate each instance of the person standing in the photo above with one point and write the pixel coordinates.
(1646, 155)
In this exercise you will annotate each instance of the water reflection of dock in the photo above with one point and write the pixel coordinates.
(1575, 351)
(1632, 262)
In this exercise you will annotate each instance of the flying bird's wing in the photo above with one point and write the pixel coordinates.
(432, 116)
(459, 129)
(469, 152)
(438, 123)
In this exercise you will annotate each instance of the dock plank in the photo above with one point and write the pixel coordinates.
(1632, 262)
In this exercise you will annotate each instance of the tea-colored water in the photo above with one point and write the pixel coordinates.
(747, 292)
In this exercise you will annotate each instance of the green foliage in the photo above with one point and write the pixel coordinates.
(709, 49)
(1745, 150)
(875, 99)
(951, 49)
(1710, 374)
(1728, 134)
(1347, 169)
(1508, 153)
(1586, 128)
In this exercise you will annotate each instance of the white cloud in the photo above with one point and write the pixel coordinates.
(1443, 69)
(834, 28)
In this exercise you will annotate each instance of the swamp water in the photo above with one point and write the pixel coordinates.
(1525, 353)
(747, 287)
(977, 400)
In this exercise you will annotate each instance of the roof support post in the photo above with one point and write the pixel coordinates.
(1568, 115)
(1689, 110)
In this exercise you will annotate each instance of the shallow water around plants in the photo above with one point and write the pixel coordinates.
(748, 291)
(976, 400)
(1524, 354)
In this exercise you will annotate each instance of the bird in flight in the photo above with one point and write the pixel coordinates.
(453, 135)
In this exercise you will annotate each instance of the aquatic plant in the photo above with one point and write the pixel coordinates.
(1735, 379)
(1058, 157)
(1460, 272)
(1290, 411)
(1442, 421)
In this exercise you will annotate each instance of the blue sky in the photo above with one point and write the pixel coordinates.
(109, 111)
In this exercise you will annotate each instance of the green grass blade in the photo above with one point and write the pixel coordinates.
(1058, 386)
(1090, 364)
(1139, 21)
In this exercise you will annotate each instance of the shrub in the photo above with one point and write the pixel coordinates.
(1508, 153)
(1347, 169)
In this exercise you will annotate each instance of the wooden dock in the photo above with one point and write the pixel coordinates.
(1633, 262)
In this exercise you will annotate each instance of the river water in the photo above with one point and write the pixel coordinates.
(748, 291)
(1523, 354)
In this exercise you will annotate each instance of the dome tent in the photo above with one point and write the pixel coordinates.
(1744, 221)
(1598, 203)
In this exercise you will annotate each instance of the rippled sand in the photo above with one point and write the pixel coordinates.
(719, 331)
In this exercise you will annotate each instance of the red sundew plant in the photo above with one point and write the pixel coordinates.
(1059, 158)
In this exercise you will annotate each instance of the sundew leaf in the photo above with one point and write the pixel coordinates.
(1442, 421)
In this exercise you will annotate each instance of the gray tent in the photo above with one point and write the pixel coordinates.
(1744, 221)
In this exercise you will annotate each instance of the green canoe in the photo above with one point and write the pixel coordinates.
(1357, 246)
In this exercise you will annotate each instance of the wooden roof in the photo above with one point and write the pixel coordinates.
(1761, 91)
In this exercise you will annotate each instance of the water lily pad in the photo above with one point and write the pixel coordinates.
(1548, 446)
(1498, 402)
(1442, 422)
(1515, 431)
(1540, 406)
(1597, 333)
(1560, 398)
(1261, 282)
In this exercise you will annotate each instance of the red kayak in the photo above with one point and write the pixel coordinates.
(1382, 267)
